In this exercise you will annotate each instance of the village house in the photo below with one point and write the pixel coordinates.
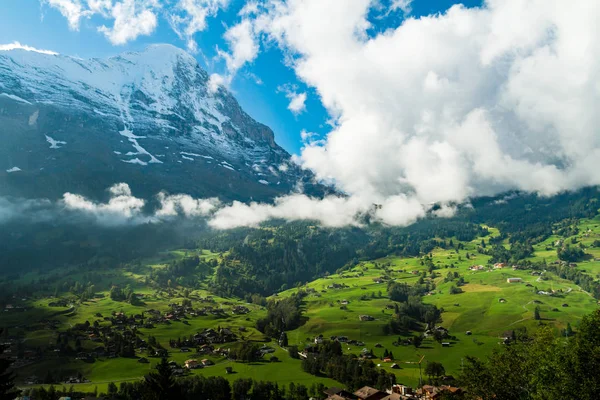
(401, 390)
(366, 318)
(239, 310)
(369, 393)
(429, 392)
(335, 393)
(514, 280)
(192, 364)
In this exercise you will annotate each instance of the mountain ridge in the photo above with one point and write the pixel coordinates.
(155, 109)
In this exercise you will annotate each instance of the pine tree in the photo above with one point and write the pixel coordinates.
(536, 314)
(7, 378)
(162, 383)
(569, 330)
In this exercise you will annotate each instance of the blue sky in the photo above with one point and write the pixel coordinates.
(256, 85)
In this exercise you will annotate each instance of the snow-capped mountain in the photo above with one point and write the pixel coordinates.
(149, 119)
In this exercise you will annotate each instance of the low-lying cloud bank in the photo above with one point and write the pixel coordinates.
(123, 208)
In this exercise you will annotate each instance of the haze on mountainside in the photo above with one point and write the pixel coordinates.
(436, 110)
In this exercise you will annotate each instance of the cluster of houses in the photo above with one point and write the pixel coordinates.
(195, 364)
(495, 266)
(337, 286)
(178, 312)
(396, 392)
(204, 339)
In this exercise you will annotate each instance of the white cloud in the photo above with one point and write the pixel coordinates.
(182, 204)
(404, 5)
(19, 46)
(190, 18)
(216, 81)
(331, 211)
(72, 10)
(464, 103)
(250, 8)
(122, 207)
(297, 103)
(243, 46)
(297, 100)
(132, 18)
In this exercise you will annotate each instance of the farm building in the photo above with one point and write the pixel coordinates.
(514, 280)
(191, 364)
(338, 393)
(369, 393)
(402, 389)
(366, 318)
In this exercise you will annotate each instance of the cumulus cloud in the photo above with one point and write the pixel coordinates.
(122, 207)
(17, 45)
(243, 45)
(472, 101)
(297, 99)
(132, 18)
(297, 103)
(215, 82)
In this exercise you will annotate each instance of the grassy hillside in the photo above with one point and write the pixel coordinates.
(487, 307)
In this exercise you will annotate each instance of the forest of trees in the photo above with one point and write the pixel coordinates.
(282, 315)
(327, 359)
(410, 312)
(541, 366)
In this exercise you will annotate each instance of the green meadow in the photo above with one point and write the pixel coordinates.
(487, 307)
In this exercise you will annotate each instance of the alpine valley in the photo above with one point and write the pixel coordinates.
(495, 298)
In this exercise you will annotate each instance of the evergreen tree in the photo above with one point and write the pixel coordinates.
(7, 378)
(161, 383)
(569, 330)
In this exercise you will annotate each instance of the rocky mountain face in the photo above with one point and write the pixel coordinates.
(149, 119)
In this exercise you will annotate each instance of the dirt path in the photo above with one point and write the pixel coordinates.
(522, 319)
